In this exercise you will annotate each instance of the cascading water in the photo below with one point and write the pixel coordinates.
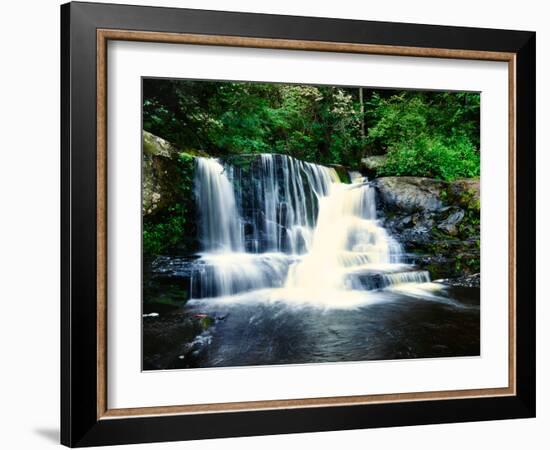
(346, 238)
(286, 191)
(294, 226)
(220, 227)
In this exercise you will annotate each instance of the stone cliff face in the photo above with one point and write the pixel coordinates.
(159, 174)
(437, 222)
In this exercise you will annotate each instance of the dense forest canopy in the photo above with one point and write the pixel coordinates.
(433, 134)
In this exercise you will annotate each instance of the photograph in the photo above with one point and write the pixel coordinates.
(307, 224)
(275, 225)
(280, 222)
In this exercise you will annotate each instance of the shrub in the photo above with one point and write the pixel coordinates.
(434, 158)
(434, 135)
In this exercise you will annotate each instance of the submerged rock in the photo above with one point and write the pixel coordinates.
(468, 281)
(207, 321)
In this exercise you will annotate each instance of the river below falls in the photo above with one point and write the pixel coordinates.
(257, 328)
(296, 267)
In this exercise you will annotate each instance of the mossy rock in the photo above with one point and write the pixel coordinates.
(155, 145)
(206, 322)
(342, 171)
(168, 204)
(465, 192)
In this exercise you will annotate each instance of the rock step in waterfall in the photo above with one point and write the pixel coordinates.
(284, 223)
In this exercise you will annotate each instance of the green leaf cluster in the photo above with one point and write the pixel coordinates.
(427, 134)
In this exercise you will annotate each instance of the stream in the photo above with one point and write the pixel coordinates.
(295, 268)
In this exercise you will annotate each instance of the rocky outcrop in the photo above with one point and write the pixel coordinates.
(168, 205)
(437, 222)
(449, 224)
(159, 174)
(410, 194)
(154, 145)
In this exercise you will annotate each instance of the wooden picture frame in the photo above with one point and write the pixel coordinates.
(86, 418)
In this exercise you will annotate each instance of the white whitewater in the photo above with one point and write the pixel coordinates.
(309, 234)
(347, 237)
(289, 188)
(220, 226)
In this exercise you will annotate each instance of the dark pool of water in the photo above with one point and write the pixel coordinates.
(396, 325)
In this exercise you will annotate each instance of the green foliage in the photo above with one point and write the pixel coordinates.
(164, 233)
(433, 158)
(466, 264)
(434, 135)
(424, 133)
(176, 111)
(175, 226)
(313, 123)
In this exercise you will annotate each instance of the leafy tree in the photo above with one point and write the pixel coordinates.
(427, 134)
(424, 133)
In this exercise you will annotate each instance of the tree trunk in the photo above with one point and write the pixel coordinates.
(362, 111)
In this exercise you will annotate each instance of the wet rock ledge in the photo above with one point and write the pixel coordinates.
(437, 222)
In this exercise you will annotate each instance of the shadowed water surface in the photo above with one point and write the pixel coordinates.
(258, 329)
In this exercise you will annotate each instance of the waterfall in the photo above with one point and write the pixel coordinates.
(287, 191)
(347, 237)
(226, 274)
(281, 223)
(220, 225)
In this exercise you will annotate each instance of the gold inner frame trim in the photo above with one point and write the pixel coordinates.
(103, 36)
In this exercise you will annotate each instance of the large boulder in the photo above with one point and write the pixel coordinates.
(168, 204)
(160, 174)
(154, 145)
(410, 194)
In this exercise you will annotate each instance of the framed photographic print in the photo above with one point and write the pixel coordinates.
(276, 224)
